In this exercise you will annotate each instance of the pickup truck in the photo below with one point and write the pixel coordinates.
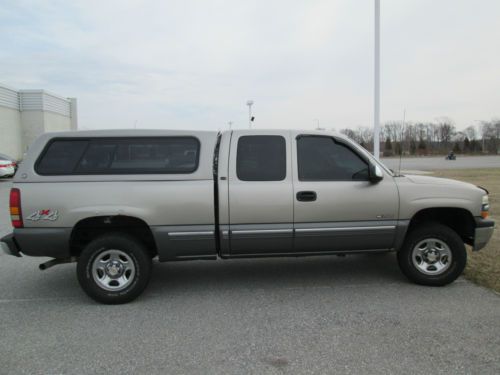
(114, 200)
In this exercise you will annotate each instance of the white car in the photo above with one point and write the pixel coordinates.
(7, 166)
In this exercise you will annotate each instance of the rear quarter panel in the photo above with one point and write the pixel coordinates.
(154, 202)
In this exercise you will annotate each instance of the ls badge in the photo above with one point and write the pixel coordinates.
(51, 215)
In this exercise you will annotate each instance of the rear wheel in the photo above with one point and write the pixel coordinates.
(432, 254)
(114, 268)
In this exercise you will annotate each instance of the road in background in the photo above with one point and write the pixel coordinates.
(425, 163)
(352, 315)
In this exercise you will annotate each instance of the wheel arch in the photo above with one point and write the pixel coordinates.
(87, 229)
(458, 219)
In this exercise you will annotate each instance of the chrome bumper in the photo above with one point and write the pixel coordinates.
(483, 233)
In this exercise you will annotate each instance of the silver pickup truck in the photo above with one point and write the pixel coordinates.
(114, 200)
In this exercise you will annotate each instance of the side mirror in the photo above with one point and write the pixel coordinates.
(376, 173)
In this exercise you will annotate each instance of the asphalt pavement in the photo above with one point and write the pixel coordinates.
(350, 315)
(429, 163)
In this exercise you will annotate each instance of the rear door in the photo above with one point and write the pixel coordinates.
(260, 193)
(336, 207)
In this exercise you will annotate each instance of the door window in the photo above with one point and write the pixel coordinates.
(323, 159)
(261, 158)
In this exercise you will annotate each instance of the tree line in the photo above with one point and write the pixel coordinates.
(431, 138)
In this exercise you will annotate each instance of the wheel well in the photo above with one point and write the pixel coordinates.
(88, 229)
(458, 219)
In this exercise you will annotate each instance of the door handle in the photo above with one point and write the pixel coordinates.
(306, 196)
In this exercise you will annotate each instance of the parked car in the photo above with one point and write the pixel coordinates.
(113, 200)
(8, 166)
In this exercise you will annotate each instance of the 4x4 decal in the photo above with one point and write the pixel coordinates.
(51, 215)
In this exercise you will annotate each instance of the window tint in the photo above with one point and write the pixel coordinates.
(323, 159)
(130, 156)
(261, 158)
(61, 157)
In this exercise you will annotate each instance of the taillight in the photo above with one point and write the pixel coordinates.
(16, 215)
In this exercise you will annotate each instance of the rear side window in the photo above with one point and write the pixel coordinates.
(261, 158)
(61, 157)
(322, 159)
(170, 155)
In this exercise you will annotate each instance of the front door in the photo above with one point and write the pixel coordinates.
(260, 193)
(336, 207)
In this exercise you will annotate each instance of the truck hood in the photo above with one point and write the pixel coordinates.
(422, 192)
(428, 180)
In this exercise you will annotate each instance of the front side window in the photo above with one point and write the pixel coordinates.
(167, 155)
(323, 159)
(261, 158)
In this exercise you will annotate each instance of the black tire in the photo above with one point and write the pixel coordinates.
(136, 257)
(433, 231)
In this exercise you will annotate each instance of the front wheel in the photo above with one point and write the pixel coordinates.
(432, 254)
(114, 268)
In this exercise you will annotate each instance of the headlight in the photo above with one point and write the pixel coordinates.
(485, 207)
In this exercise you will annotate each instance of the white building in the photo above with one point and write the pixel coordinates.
(25, 114)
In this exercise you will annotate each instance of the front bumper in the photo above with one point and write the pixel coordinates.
(483, 232)
(9, 246)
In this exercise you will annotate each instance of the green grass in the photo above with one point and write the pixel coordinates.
(483, 267)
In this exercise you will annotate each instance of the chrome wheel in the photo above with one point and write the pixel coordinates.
(431, 256)
(113, 270)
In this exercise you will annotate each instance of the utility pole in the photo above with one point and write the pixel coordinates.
(376, 102)
(230, 123)
(250, 118)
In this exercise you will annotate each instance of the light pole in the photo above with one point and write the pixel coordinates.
(230, 123)
(249, 104)
(376, 102)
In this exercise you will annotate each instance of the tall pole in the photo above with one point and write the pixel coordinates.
(249, 104)
(376, 103)
(317, 123)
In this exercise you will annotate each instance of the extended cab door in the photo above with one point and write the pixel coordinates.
(260, 193)
(336, 207)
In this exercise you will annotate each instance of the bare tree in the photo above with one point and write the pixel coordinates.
(471, 132)
(446, 129)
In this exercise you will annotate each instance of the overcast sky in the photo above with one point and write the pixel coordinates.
(194, 64)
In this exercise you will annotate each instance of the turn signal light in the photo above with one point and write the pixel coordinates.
(16, 215)
(485, 207)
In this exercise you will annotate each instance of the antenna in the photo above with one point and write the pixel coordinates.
(401, 141)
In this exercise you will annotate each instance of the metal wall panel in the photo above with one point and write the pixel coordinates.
(9, 98)
(31, 101)
(34, 100)
(55, 104)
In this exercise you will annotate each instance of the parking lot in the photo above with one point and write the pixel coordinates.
(430, 163)
(353, 315)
